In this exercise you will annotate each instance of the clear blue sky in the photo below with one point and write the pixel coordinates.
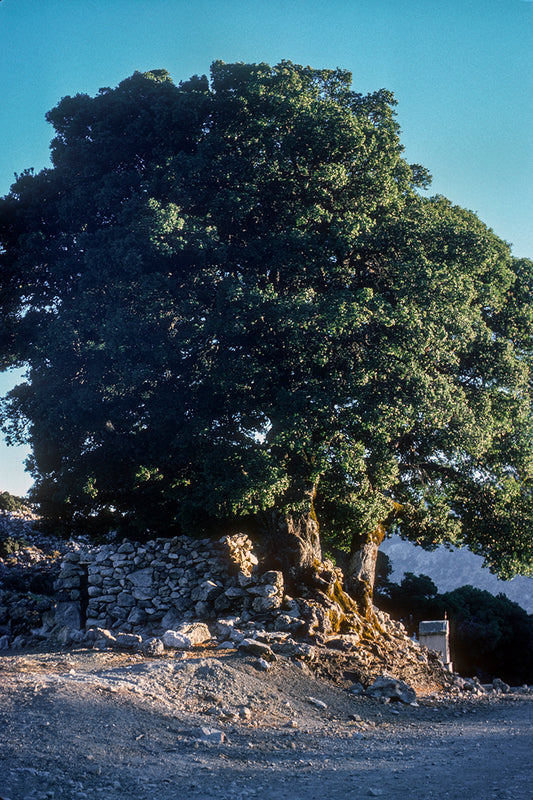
(461, 70)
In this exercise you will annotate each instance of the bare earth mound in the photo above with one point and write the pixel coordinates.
(83, 724)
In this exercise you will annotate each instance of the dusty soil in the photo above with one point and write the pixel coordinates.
(83, 724)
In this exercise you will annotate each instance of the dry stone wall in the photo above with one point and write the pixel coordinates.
(152, 586)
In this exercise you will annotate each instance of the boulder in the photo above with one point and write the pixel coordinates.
(292, 649)
(187, 636)
(142, 578)
(171, 620)
(500, 686)
(128, 641)
(67, 615)
(273, 578)
(136, 617)
(263, 604)
(391, 688)
(176, 640)
(473, 685)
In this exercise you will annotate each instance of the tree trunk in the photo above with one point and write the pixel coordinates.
(291, 543)
(362, 568)
(362, 561)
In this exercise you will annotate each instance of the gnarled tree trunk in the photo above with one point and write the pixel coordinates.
(362, 568)
(292, 543)
(361, 571)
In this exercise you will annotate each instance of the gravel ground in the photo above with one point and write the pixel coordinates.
(83, 724)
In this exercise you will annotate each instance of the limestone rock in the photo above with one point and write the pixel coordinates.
(500, 686)
(187, 636)
(263, 604)
(142, 578)
(473, 685)
(256, 648)
(386, 686)
(153, 647)
(171, 619)
(212, 735)
(67, 614)
(137, 616)
(233, 592)
(273, 578)
(347, 642)
(225, 627)
(317, 703)
(128, 641)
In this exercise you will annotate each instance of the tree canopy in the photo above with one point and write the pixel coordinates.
(232, 298)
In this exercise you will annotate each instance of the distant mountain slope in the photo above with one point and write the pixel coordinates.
(450, 569)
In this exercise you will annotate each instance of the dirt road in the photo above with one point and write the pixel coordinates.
(85, 725)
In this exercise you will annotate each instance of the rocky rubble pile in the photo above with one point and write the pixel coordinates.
(336, 658)
(18, 524)
(29, 565)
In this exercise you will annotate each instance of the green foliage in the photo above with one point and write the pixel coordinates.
(10, 502)
(491, 635)
(230, 296)
(10, 546)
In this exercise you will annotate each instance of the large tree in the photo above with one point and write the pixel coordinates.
(235, 305)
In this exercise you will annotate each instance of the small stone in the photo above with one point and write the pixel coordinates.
(257, 649)
(153, 647)
(226, 645)
(212, 735)
(317, 703)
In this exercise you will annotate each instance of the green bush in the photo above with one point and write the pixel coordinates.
(490, 636)
(10, 546)
(10, 502)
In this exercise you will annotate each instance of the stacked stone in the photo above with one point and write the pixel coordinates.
(239, 549)
(68, 611)
(157, 584)
(154, 584)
